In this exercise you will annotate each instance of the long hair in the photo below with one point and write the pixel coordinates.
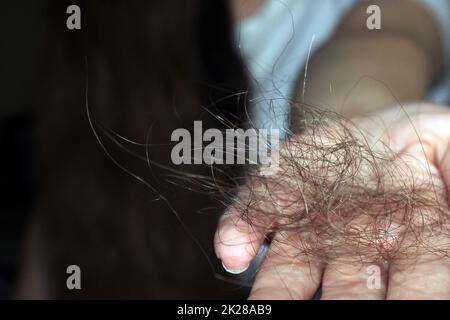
(110, 199)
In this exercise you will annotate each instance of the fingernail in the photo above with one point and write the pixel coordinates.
(233, 271)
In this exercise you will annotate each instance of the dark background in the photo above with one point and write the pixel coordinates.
(25, 88)
(22, 36)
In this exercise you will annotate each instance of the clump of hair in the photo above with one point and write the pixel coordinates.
(343, 194)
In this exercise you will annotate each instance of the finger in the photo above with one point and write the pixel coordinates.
(354, 281)
(425, 279)
(422, 272)
(286, 275)
(242, 229)
(443, 164)
(236, 242)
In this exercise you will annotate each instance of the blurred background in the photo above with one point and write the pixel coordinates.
(63, 200)
(22, 28)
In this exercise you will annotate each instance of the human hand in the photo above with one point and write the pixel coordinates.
(351, 197)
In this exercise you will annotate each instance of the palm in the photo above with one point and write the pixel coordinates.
(373, 242)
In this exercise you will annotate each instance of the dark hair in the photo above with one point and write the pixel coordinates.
(153, 66)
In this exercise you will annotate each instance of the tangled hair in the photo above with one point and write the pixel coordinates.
(342, 194)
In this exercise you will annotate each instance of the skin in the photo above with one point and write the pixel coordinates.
(242, 9)
(421, 135)
(368, 71)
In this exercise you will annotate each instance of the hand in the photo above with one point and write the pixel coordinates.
(351, 198)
